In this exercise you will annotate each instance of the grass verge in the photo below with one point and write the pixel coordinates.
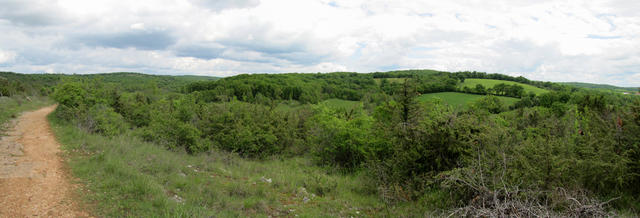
(124, 176)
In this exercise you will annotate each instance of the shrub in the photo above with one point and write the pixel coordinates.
(433, 141)
(339, 141)
(248, 129)
(489, 103)
(168, 131)
(104, 120)
(71, 95)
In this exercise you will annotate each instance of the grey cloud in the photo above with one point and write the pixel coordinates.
(258, 42)
(250, 52)
(594, 36)
(264, 45)
(303, 58)
(206, 52)
(625, 7)
(143, 40)
(30, 13)
(219, 5)
(523, 55)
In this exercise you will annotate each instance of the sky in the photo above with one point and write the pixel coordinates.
(584, 41)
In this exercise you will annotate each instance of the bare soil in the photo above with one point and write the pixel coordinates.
(33, 181)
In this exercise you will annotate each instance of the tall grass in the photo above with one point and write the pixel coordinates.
(124, 176)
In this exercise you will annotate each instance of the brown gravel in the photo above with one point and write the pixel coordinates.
(33, 182)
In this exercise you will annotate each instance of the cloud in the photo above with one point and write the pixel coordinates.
(7, 56)
(143, 40)
(205, 51)
(593, 36)
(587, 41)
(30, 13)
(218, 5)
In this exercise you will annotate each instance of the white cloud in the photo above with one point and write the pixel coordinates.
(137, 26)
(588, 41)
(7, 56)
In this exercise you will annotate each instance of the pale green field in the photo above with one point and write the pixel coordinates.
(488, 83)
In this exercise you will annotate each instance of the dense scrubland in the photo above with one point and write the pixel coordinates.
(402, 143)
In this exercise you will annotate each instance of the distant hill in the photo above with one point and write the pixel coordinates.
(40, 84)
(133, 81)
(603, 87)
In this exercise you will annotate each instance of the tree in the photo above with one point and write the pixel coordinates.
(500, 89)
(480, 89)
(515, 90)
(407, 100)
(490, 103)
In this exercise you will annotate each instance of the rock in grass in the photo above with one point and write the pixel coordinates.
(177, 198)
(266, 180)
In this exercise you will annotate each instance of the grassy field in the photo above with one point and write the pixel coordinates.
(123, 176)
(11, 107)
(488, 83)
(462, 100)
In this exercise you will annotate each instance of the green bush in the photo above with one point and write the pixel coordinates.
(67, 113)
(71, 94)
(489, 103)
(434, 139)
(344, 142)
(248, 129)
(104, 120)
(172, 133)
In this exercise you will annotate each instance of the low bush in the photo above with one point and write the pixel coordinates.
(104, 120)
(340, 141)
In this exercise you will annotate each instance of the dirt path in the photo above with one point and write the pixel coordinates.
(32, 180)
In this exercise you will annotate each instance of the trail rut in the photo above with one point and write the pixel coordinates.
(33, 182)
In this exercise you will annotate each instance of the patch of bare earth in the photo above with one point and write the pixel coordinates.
(33, 182)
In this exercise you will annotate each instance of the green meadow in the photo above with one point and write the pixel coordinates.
(488, 83)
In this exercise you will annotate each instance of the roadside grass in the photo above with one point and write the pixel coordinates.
(124, 176)
(11, 107)
(489, 83)
(461, 100)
